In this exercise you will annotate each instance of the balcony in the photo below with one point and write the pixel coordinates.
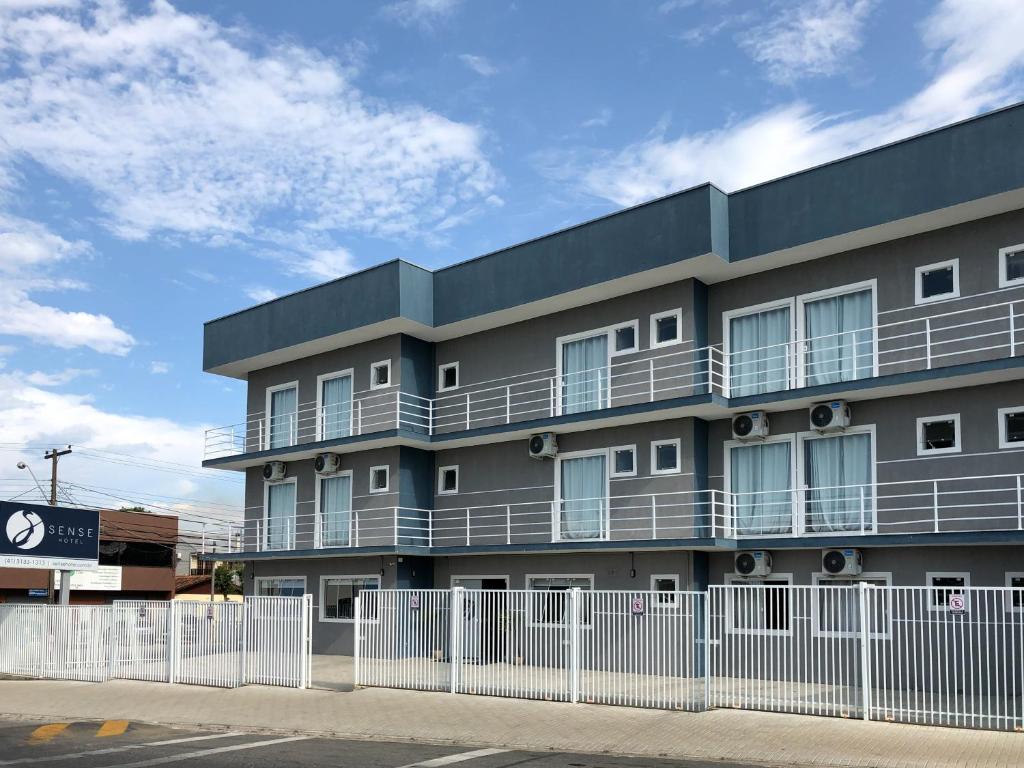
(908, 507)
(970, 330)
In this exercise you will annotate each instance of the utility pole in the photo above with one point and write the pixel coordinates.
(65, 582)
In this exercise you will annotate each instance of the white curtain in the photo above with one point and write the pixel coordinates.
(838, 475)
(583, 497)
(336, 399)
(840, 342)
(759, 352)
(760, 483)
(283, 404)
(585, 374)
(281, 516)
(335, 510)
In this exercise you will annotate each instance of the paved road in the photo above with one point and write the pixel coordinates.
(124, 744)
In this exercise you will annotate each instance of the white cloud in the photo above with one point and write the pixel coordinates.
(158, 367)
(29, 254)
(807, 38)
(58, 378)
(423, 13)
(978, 65)
(600, 120)
(260, 294)
(479, 64)
(179, 125)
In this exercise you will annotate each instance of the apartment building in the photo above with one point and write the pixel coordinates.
(816, 379)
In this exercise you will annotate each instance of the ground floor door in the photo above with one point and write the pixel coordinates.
(483, 617)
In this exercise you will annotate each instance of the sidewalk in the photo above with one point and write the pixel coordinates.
(380, 714)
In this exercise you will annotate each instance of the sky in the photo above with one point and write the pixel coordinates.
(162, 164)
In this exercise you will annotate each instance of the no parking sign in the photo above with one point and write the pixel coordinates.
(957, 605)
(638, 606)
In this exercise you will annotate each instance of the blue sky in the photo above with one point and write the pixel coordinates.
(162, 164)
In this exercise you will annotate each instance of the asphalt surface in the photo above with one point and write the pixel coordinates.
(125, 744)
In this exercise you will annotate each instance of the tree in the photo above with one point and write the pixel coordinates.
(227, 579)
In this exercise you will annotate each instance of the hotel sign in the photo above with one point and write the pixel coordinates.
(41, 536)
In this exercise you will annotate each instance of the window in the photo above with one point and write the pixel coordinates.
(447, 377)
(1011, 266)
(334, 507)
(1011, 427)
(280, 586)
(379, 479)
(837, 331)
(551, 603)
(338, 597)
(666, 587)
(1015, 593)
(584, 373)
(758, 348)
(944, 584)
(624, 461)
(380, 375)
(938, 434)
(835, 607)
(937, 281)
(760, 483)
(759, 606)
(334, 405)
(838, 475)
(581, 484)
(624, 339)
(665, 457)
(282, 415)
(666, 328)
(279, 522)
(447, 480)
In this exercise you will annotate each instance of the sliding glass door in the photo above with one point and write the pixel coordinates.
(839, 480)
(280, 516)
(585, 374)
(760, 481)
(335, 511)
(584, 504)
(336, 407)
(283, 413)
(759, 359)
(839, 339)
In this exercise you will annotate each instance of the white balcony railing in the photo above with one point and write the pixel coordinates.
(911, 339)
(913, 507)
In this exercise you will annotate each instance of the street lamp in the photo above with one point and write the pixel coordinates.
(23, 465)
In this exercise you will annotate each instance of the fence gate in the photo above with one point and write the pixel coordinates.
(277, 639)
(140, 645)
(21, 640)
(207, 643)
(75, 642)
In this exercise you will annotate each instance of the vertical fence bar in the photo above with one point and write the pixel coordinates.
(865, 650)
(357, 640)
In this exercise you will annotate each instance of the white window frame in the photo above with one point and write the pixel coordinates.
(485, 576)
(440, 480)
(373, 377)
(1010, 575)
(609, 333)
(756, 309)
(266, 510)
(729, 445)
(635, 325)
(556, 519)
(387, 478)
(320, 381)
(1004, 253)
(801, 330)
(920, 298)
(267, 413)
(322, 602)
(824, 580)
(1001, 414)
(259, 580)
(656, 603)
(612, 474)
(318, 513)
(730, 614)
(655, 444)
(440, 377)
(800, 517)
(922, 450)
(965, 575)
(678, 314)
(529, 602)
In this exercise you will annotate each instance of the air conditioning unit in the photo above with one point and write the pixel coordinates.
(327, 463)
(755, 563)
(274, 471)
(750, 426)
(543, 446)
(833, 416)
(842, 562)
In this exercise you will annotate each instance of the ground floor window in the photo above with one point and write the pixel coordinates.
(836, 610)
(550, 604)
(666, 586)
(944, 585)
(280, 586)
(338, 597)
(760, 606)
(1015, 595)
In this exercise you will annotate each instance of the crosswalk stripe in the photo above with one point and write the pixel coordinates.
(112, 728)
(45, 733)
(459, 757)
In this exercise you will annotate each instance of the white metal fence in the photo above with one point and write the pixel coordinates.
(842, 649)
(263, 640)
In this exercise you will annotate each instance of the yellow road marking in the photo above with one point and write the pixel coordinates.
(112, 728)
(44, 733)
